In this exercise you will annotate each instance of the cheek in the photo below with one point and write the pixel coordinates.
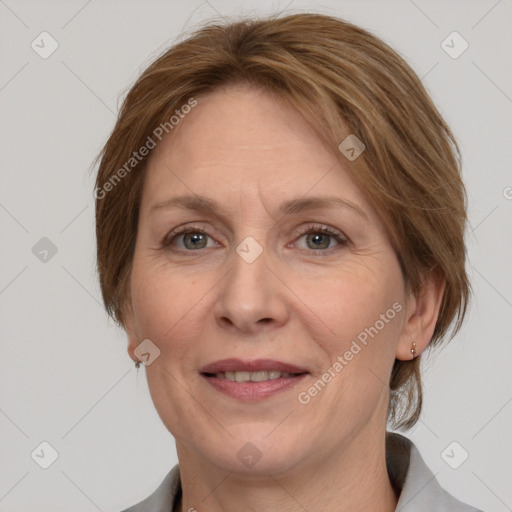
(164, 304)
(357, 304)
(365, 314)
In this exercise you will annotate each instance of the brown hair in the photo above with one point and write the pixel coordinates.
(344, 81)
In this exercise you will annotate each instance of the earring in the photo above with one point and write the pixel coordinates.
(413, 350)
(137, 364)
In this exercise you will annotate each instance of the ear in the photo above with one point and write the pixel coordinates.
(422, 312)
(131, 332)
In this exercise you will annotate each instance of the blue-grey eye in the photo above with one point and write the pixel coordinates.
(195, 240)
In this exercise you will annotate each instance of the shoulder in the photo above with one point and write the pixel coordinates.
(419, 491)
(164, 496)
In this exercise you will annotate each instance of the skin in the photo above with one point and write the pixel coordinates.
(251, 151)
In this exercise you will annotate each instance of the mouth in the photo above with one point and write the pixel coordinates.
(259, 376)
(252, 380)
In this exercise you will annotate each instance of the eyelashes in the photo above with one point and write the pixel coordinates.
(331, 233)
(201, 235)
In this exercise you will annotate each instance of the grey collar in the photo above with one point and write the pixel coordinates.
(417, 487)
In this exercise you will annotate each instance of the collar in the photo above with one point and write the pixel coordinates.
(414, 483)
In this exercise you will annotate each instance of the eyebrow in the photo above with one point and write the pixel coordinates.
(209, 206)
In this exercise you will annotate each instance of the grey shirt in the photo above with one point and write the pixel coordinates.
(417, 487)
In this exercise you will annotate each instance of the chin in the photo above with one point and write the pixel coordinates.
(252, 451)
(249, 460)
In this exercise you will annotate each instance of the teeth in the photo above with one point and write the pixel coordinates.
(259, 376)
(242, 376)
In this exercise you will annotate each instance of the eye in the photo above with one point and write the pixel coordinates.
(191, 237)
(321, 237)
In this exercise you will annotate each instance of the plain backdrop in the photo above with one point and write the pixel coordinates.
(65, 376)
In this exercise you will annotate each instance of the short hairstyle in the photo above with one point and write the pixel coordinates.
(343, 80)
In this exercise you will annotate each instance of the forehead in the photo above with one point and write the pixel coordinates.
(240, 142)
(241, 119)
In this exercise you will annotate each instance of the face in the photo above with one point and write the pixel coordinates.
(276, 263)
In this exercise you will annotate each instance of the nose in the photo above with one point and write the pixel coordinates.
(252, 296)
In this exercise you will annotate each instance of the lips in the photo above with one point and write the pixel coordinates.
(256, 365)
(252, 380)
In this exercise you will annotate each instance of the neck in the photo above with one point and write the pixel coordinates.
(352, 478)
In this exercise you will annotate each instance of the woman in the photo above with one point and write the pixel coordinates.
(280, 227)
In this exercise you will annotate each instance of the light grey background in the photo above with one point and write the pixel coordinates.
(65, 374)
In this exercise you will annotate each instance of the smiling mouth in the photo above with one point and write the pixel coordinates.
(254, 379)
(259, 376)
(253, 386)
